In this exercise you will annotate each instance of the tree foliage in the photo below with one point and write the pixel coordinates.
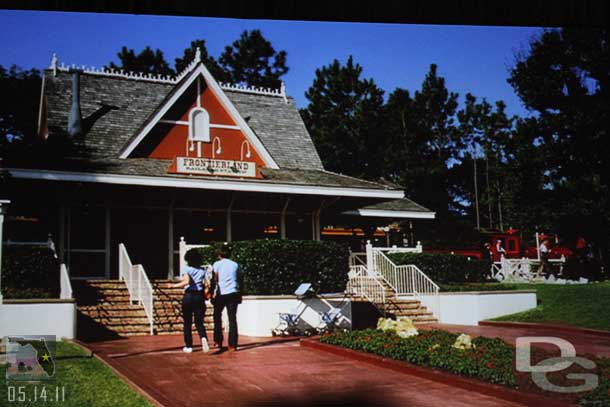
(565, 80)
(20, 90)
(343, 118)
(146, 61)
(252, 60)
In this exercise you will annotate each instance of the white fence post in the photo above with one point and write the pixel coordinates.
(370, 262)
(65, 287)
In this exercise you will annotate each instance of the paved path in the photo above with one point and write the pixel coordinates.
(584, 343)
(271, 372)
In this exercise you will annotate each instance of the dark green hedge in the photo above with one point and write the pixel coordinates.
(272, 267)
(29, 272)
(490, 360)
(445, 268)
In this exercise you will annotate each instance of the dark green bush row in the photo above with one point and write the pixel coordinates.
(273, 267)
(478, 287)
(490, 360)
(29, 272)
(445, 268)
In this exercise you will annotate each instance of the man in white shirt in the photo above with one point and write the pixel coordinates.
(228, 277)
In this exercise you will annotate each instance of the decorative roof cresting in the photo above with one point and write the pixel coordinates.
(138, 76)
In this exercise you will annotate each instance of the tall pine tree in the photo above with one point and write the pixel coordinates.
(344, 118)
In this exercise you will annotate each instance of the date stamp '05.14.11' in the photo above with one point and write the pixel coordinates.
(30, 369)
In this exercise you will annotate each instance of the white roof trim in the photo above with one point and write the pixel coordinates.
(213, 85)
(392, 214)
(199, 183)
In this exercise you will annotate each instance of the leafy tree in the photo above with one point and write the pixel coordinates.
(146, 61)
(210, 62)
(252, 60)
(565, 80)
(20, 90)
(344, 118)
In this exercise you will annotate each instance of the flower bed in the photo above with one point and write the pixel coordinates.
(487, 359)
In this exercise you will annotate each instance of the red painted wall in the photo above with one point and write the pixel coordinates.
(174, 144)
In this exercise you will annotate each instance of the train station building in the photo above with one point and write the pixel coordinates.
(144, 160)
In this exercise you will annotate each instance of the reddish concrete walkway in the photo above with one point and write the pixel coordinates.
(268, 371)
(584, 343)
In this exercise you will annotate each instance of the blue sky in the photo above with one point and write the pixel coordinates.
(472, 59)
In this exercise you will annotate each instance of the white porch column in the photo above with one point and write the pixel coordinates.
(283, 219)
(3, 207)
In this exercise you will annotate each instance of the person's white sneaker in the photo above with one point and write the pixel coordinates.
(186, 349)
(204, 345)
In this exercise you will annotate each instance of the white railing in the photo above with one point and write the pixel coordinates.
(357, 259)
(183, 248)
(407, 280)
(360, 284)
(65, 287)
(138, 285)
(521, 270)
(395, 249)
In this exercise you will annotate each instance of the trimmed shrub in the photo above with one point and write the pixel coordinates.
(591, 269)
(445, 268)
(29, 272)
(273, 267)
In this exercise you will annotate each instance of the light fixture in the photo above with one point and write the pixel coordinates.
(248, 154)
(216, 150)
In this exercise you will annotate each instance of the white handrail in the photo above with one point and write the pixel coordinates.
(357, 259)
(407, 280)
(65, 287)
(146, 294)
(138, 285)
(368, 287)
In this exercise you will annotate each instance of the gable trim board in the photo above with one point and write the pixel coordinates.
(392, 214)
(220, 95)
(201, 183)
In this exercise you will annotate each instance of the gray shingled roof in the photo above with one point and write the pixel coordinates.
(131, 102)
(280, 128)
(404, 204)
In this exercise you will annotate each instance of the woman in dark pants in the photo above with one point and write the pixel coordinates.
(193, 302)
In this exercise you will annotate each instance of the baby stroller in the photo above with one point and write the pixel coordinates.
(289, 321)
(329, 320)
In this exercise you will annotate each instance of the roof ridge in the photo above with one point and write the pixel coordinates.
(169, 79)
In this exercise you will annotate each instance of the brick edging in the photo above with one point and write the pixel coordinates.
(149, 397)
(555, 328)
(450, 379)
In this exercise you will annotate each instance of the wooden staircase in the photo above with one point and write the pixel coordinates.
(168, 310)
(105, 311)
(395, 307)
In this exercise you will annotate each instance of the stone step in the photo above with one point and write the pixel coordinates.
(114, 314)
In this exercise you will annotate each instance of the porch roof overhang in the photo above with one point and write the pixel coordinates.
(403, 208)
(206, 183)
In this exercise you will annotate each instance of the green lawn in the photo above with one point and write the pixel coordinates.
(86, 380)
(580, 305)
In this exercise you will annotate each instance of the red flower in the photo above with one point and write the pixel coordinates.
(490, 365)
